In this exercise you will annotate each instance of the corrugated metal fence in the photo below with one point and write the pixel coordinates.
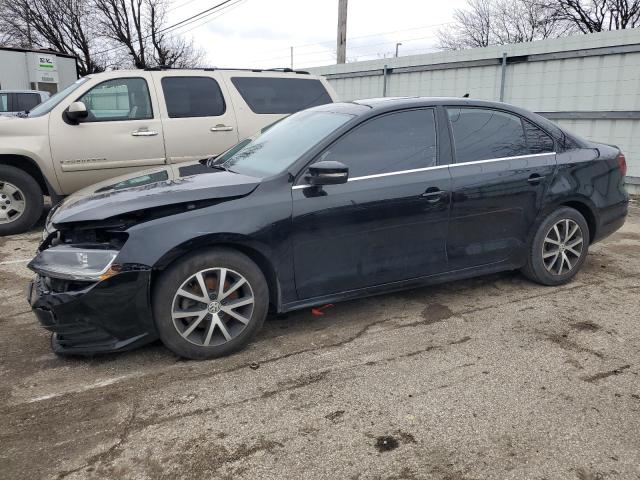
(589, 84)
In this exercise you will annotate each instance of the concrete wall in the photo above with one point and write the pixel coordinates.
(589, 84)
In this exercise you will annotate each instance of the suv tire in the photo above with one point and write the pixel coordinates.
(21, 201)
(194, 318)
(558, 249)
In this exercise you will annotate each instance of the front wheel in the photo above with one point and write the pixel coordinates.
(21, 201)
(559, 248)
(210, 304)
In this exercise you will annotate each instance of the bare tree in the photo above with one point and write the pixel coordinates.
(138, 29)
(590, 16)
(498, 22)
(63, 25)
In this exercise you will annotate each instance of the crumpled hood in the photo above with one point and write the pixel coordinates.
(149, 189)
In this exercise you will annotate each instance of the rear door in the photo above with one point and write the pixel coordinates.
(503, 166)
(385, 224)
(198, 120)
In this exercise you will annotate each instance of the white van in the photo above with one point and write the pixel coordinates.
(113, 123)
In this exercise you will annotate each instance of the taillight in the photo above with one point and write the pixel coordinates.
(622, 164)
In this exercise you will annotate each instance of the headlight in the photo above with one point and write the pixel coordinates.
(74, 263)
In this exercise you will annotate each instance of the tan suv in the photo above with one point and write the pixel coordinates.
(114, 123)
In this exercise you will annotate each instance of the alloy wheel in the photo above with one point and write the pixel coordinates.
(212, 307)
(12, 202)
(562, 247)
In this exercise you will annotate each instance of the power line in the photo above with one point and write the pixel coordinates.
(229, 8)
(332, 42)
(191, 19)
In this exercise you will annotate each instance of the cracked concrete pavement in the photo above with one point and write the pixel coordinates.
(489, 378)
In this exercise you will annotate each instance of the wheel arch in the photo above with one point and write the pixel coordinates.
(29, 166)
(245, 245)
(582, 204)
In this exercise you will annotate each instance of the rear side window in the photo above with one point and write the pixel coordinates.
(390, 143)
(188, 97)
(537, 140)
(23, 102)
(280, 95)
(483, 134)
(4, 102)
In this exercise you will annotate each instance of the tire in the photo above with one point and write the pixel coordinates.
(191, 336)
(543, 265)
(18, 189)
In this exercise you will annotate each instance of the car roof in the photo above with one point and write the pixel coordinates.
(374, 106)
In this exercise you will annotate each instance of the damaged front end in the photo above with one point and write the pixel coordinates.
(85, 297)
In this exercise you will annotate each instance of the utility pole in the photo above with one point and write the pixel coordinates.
(342, 31)
(291, 58)
(397, 45)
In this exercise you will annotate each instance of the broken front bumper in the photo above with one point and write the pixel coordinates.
(87, 318)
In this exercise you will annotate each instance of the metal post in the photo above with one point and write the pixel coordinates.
(291, 58)
(504, 72)
(397, 45)
(384, 81)
(341, 47)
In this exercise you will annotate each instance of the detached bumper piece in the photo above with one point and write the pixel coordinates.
(89, 318)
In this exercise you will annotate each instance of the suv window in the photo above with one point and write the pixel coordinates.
(482, 134)
(4, 102)
(118, 99)
(537, 140)
(280, 95)
(192, 97)
(389, 143)
(23, 102)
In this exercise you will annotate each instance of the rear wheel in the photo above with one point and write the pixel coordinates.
(21, 201)
(559, 248)
(210, 304)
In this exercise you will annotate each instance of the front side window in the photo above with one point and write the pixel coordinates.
(390, 143)
(483, 134)
(4, 102)
(285, 142)
(24, 102)
(188, 97)
(280, 95)
(118, 99)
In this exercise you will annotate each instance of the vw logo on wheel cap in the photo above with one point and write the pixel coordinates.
(213, 307)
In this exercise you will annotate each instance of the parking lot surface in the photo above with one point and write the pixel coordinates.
(490, 378)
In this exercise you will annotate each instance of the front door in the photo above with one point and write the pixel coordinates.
(503, 165)
(198, 120)
(122, 133)
(388, 223)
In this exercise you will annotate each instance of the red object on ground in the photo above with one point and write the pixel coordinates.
(318, 312)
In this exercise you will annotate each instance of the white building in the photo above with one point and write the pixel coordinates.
(48, 71)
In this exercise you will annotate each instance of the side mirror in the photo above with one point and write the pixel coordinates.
(76, 112)
(327, 172)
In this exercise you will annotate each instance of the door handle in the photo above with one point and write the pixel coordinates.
(143, 132)
(433, 194)
(221, 128)
(535, 179)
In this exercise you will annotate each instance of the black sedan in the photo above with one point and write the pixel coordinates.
(339, 201)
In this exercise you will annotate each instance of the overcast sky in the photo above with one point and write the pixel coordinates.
(259, 33)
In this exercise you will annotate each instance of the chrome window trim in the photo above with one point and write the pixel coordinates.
(476, 162)
(380, 175)
(436, 167)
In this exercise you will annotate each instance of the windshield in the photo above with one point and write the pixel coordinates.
(46, 107)
(281, 145)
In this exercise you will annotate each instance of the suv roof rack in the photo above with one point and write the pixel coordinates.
(160, 68)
